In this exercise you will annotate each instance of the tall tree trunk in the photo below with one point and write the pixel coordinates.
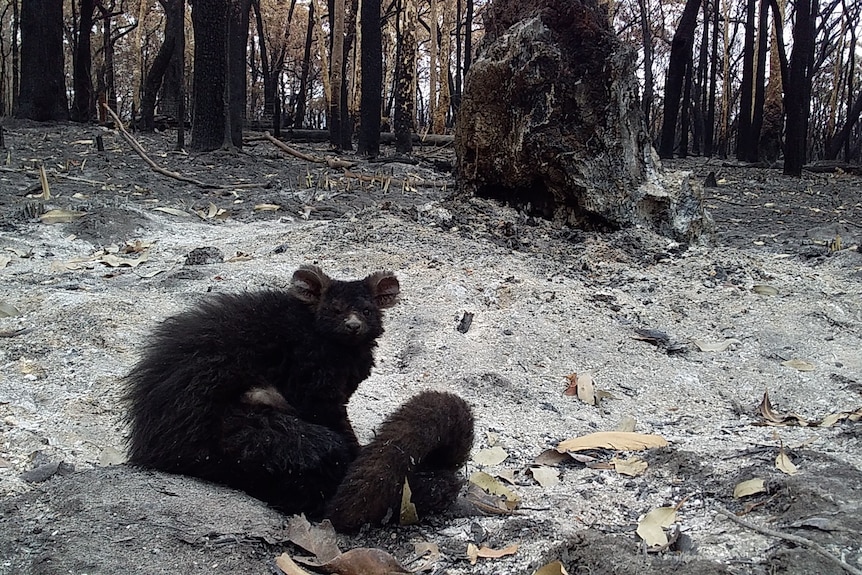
(468, 37)
(852, 19)
(209, 20)
(372, 78)
(724, 121)
(405, 93)
(444, 98)
(337, 73)
(174, 25)
(646, 36)
(797, 91)
(769, 146)
(172, 91)
(42, 90)
(16, 60)
(347, 114)
(759, 81)
(302, 95)
(456, 95)
(433, 57)
(744, 141)
(685, 110)
(842, 137)
(144, 8)
(82, 65)
(680, 54)
(709, 129)
(238, 15)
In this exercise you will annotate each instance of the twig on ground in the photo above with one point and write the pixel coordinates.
(802, 541)
(159, 170)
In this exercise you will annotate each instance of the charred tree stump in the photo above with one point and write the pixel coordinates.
(550, 122)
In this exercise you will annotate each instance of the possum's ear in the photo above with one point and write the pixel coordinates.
(384, 288)
(309, 283)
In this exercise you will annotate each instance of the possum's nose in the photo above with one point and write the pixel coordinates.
(353, 324)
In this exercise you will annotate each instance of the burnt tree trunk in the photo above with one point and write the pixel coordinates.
(744, 141)
(302, 95)
(550, 123)
(170, 49)
(371, 64)
(82, 65)
(709, 129)
(209, 19)
(797, 90)
(405, 73)
(238, 19)
(42, 87)
(680, 54)
(759, 82)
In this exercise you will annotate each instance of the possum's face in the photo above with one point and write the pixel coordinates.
(348, 311)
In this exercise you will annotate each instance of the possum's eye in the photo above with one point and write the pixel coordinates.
(366, 312)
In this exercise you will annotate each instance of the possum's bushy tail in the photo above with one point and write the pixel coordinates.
(426, 441)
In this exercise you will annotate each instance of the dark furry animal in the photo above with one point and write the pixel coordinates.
(250, 390)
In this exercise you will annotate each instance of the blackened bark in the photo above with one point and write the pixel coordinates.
(209, 21)
(468, 37)
(82, 65)
(797, 91)
(347, 119)
(842, 137)
(42, 89)
(680, 54)
(744, 141)
(336, 71)
(162, 62)
(709, 128)
(371, 63)
(302, 97)
(238, 15)
(649, 96)
(173, 91)
(759, 82)
(685, 108)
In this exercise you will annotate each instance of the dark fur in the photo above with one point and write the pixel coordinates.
(250, 390)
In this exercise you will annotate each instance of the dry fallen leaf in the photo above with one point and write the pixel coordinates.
(552, 568)
(491, 485)
(651, 527)
(550, 457)
(288, 566)
(718, 346)
(473, 552)
(361, 561)
(783, 463)
(493, 456)
(750, 487)
(586, 389)
(799, 364)
(8, 310)
(266, 207)
(60, 216)
(117, 261)
(4, 261)
(572, 388)
(618, 440)
(320, 540)
(633, 466)
(173, 212)
(545, 476)
(764, 289)
(408, 515)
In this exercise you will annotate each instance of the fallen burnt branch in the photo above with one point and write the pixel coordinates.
(795, 539)
(331, 162)
(165, 172)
